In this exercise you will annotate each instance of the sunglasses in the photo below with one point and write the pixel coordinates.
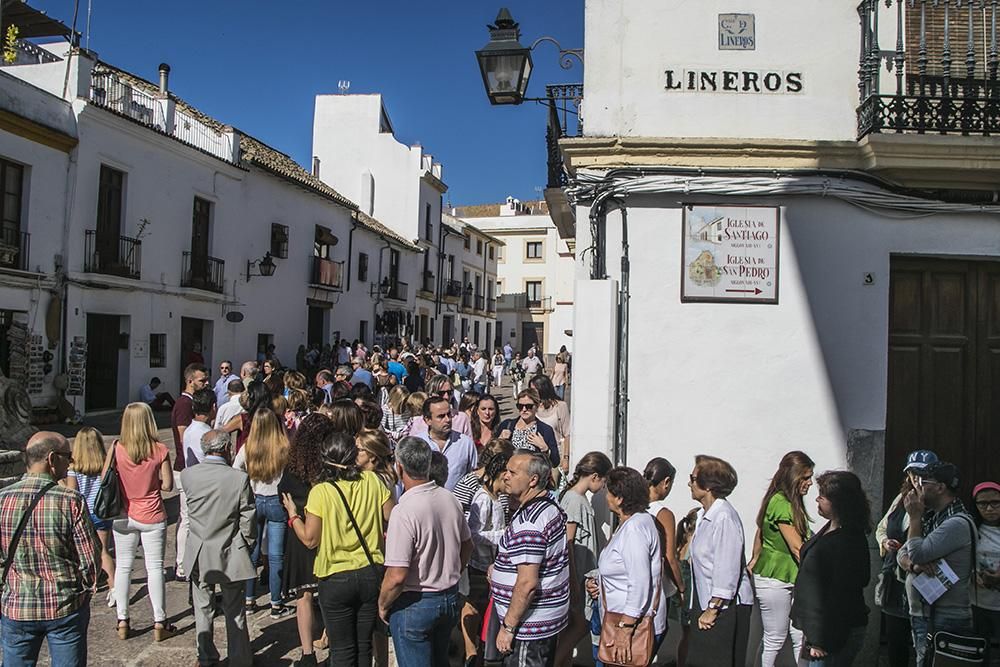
(68, 455)
(988, 504)
(525, 406)
(445, 392)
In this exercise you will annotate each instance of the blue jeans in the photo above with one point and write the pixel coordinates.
(67, 637)
(958, 621)
(271, 516)
(560, 391)
(421, 625)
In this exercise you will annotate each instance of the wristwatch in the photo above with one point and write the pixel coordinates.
(508, 629)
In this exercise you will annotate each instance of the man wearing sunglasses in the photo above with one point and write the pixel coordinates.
(441, 386)
(946, 533)
(221, 387)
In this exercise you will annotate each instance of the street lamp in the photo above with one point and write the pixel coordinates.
(378, 291)
(504, 63)
(265, 265)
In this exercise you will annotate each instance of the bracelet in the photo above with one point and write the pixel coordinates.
(292, 519)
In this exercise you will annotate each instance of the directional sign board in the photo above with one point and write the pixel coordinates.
(730, 254)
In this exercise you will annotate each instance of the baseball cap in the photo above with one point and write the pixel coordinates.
(985, 486)
(919, 460)
(941, 471)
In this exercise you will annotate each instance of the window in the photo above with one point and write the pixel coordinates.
(157, 350)
(492, 254)
(279, 240)
(533, 249)
(479, 246)
(533, 291)
(12, 181)
(466, 240)
(109, 207)
(363, 330)
(393, 266)
(323, 241)
(451, 267)
(362, 267)
(428, 224)
(475, 333)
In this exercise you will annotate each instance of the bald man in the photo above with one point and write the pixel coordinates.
(54, 568)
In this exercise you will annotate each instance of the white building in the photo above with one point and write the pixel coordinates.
(148, 224)
(873, 330)
(401, 185)
(470, 287)
(535, 274)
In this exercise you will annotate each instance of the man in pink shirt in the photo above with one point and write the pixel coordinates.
(440, 385)
(427, 546)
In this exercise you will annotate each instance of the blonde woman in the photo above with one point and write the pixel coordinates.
(414, 410)
(374, 454)
(144, 468)
(395, 414)
(263, 458)
(85, 476)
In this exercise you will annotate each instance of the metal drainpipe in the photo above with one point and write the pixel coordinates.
(350, 250)
(621, 416)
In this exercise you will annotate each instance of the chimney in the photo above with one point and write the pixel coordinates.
(164, 78)
(315, 168)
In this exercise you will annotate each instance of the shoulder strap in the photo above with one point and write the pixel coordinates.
(16, 537)
(350, 515)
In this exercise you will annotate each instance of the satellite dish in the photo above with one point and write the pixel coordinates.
(234, 316)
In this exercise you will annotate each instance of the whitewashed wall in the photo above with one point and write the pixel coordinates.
(631, 43)
(750, 382)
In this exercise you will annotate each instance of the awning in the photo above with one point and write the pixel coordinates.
(31, 22)
(325, 236)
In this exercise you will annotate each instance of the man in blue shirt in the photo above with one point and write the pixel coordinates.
(457, 447)
(361, 375)
(394, 367)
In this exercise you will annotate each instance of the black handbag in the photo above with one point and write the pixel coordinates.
(110, 501)
(948, 649)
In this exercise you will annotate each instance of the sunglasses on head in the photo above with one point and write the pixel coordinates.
(525, 406)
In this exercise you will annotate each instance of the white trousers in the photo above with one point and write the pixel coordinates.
(182, 526)
(497, 375)
(775, 600)
(127, 533)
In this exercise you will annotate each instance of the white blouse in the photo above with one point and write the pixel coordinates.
(630, 566)
(718, 564)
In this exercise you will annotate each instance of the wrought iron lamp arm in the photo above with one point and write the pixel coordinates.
(565, 55)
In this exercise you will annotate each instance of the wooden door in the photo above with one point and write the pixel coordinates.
(199, 240)
(102, 361)
(944, 366)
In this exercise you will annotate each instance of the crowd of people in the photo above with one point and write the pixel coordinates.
(384, 499)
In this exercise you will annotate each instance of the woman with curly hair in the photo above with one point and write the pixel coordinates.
(348, 582)
(303, 469)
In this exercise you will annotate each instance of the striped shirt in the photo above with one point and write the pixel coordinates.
(536, 535)
(88, 485)
(56, 564)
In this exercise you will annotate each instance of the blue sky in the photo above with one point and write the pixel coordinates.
(258, 65)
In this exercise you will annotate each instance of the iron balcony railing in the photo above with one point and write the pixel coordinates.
(452, 289)
(14, 246)
(203, 272)
(327, 273)
(113, 94)
(939, 74)
(539, 303)
(564, 121)
(398, 290)
(115, 255)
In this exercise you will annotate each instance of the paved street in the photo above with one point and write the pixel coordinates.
(274, 642)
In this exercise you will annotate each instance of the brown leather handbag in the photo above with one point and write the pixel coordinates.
(642, 637)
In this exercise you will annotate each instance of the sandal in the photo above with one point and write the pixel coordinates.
(162, 631)
(321, 643)
(123, 629)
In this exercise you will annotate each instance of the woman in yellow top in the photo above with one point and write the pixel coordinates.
(782, 527)
(349, 554)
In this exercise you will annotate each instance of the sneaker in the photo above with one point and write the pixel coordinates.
(279, 611)
(306, 661)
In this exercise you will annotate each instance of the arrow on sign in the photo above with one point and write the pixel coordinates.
(755, 290)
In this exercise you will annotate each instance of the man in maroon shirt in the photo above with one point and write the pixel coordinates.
(195, 378)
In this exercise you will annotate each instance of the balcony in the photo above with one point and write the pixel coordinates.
(203, 272)
(491, 305)
(564, 121)
(543, 303)
(328, 274)
(452, 291)
(398, 290)
(480, 302)
(14, 249)
(940, 77)
(115, 256)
